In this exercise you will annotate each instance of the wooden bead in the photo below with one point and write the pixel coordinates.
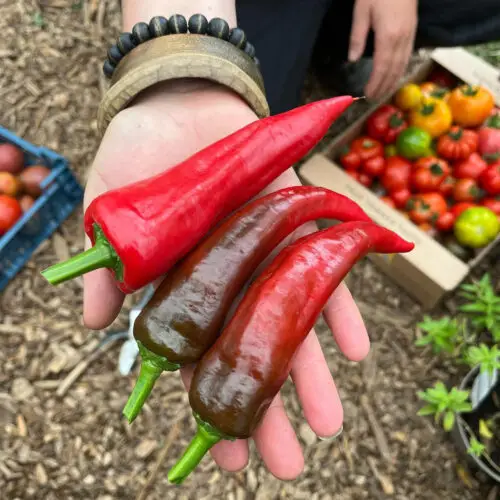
(114, 54)
(250, 49)
(218, 28)
(158, 26)
(141, 33)
(108, 68)
(125, 43)
(238, 38)
(177, 24)
(198, 24)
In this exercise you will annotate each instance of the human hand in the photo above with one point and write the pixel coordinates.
(162, 128)
(394, 23)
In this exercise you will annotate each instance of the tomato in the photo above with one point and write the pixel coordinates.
(401, 197)
(11, 158)
(470, 105)
(9, 184)
(445, 221)
(442, 77)
(426, 207)
(431, 89)
(446, 187)
(349, 159)
(366, 148)
(32, 177)
(365, 179)
(413, 143)
(457, 144)
(385, 124)
(408, 97)
(388, 201)
(422, 181)
(493, 204)
(390, 150)
(489, 136)
(490, 179)
(397, 174)
(466, 190)
(458, 208)
(374, 166)
(425, 227)
(438, 170)
(476, 227)
(10, 211)
(471, 168)
(433, 116)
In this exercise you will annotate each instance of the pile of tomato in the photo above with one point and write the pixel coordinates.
(19, 185)
(434, 154)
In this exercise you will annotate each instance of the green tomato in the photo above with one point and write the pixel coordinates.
(414, 143)
(476, 227)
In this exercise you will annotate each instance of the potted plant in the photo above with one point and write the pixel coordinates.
(471, 410)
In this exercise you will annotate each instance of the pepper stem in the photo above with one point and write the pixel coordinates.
(100, 255)
(206, 437)
(152, 367)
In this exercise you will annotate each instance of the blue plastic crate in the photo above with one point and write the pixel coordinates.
(61, 195)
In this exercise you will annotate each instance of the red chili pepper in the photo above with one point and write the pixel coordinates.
(187, 311)
(141, 230)
(237, 379)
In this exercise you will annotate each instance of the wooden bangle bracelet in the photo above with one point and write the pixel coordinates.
(182, 56)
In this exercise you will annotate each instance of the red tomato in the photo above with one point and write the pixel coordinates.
(397, 174)
(10, 211)
(349, 159)
(11, 158)
(489, 135)
(421, 180)
(457, 144)
(365, 179)
(466, 190)
(471, 168)
(490, 179)
(9, 184)
(388, 201)
(426, 207)
(446, 187)
(443, 78)
(366, 148)
(493, 204)
(437, 170)
(445, 221)
(401, 197)
(374, 166)
(386, 123)
(458, 208)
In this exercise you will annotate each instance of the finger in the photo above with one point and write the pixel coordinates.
(346, 323)
(316, 389)
(382, 62)
(359, 30)
(277, 443)
(396, 70)
(229, 455)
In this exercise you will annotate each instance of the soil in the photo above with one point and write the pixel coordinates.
(62, 435)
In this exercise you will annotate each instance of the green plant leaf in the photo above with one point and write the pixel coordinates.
(476, 448)
(473, 307)
(448, 421)
(427, 410)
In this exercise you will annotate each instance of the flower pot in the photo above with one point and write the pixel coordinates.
(479, 386)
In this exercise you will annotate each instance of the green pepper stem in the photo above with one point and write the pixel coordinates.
(152, 367)
(206, 437)
(100, 255)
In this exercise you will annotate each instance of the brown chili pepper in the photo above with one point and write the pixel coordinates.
(187, 311)
(237, 379)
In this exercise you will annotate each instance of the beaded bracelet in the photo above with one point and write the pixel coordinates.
(161, 26)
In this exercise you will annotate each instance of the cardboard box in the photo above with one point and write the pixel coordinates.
(430, 271)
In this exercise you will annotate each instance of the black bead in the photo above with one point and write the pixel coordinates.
(198, 24)
(177, 24)
(238, 38)
(218, 28)
(250, 49)
(108, 68)
(141, 33)
(125, 43)
(158, 26)
(114, 54)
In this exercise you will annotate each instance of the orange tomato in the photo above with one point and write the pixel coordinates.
(470, 105)
(430, 89)
(9, 184)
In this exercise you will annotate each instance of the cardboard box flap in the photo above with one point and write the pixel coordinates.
(469, 68)
(429, 257)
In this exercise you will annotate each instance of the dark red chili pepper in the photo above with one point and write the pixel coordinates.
(187, 311)
(237, 379)
(141, 230)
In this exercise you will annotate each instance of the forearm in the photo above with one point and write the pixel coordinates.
(139, 10)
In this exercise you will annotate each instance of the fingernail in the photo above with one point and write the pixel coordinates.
(332, 438)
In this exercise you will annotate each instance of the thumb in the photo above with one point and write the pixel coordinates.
(359, 30)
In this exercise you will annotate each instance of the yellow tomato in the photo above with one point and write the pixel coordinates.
(430, 89)
(408, 97)
(433, 115)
